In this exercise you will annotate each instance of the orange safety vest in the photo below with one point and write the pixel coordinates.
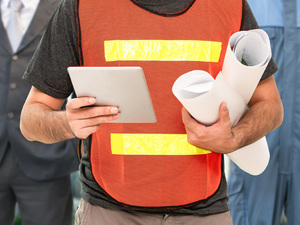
(153, 165)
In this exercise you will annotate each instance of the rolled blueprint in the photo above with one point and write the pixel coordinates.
(202, 95)
(246, 58)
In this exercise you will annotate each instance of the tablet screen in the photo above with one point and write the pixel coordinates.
(124, 87)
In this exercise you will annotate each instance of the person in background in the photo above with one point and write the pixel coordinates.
(261, 199)
(34, 175)
(145, 189)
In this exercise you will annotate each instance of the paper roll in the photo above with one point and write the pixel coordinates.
(204, 105)
(247, 56)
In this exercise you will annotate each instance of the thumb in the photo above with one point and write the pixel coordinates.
(224, 113)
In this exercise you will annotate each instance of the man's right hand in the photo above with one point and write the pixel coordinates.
(43, 120)
(84, 118)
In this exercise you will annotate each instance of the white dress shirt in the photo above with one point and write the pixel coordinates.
(27, 12)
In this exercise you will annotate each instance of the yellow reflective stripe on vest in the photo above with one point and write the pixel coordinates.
(162, 50)
(153, 144)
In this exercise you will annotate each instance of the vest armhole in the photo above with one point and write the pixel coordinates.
(243, 15)
(80, 56)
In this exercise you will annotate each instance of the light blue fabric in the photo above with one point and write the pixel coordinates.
(259, 200)
(270, 13)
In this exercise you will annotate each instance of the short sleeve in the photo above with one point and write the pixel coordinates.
(58, 49)
(249, 22)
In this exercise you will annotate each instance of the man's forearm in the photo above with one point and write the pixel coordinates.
(43, 124)
(260, 119)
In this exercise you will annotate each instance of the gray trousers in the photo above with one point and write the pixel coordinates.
(88, 214)
(39, 202)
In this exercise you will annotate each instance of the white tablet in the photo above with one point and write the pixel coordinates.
(124, 87)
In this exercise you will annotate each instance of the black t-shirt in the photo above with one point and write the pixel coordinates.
(47, 71)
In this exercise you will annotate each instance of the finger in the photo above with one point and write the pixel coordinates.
(77, 103)
(191, 125)
(87, 131)
(184, 113)
(95, 121)
(90, 130)
(96, 111)
(186, 117)
(83, 128)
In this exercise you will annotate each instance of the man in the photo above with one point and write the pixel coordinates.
(261, 199)
(34, 175)
(144, 189)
